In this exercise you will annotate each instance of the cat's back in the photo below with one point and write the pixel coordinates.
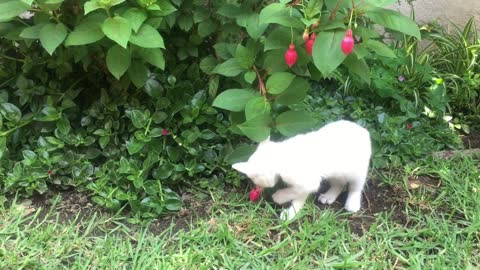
(343, 128)
(341, 136)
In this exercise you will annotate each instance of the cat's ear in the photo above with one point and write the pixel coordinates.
(243, 167)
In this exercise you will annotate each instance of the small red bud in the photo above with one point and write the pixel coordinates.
(348, 42)
(409, 125)
(305, 35)
(49, 172)
(291, 56)
(164, 132)
(310, 43)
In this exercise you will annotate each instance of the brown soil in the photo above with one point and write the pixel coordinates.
(471, 140)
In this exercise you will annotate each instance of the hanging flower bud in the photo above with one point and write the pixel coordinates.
(310, 42)
(291, 56)
(348, 43)
(305, 35)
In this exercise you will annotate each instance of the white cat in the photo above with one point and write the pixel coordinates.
(338, 152)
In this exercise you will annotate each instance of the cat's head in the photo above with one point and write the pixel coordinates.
(259, 166)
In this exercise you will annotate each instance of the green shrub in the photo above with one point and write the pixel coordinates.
(89, 86)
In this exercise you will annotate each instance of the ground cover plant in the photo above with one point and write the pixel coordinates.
(423, 217)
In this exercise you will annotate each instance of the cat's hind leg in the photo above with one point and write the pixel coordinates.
(355, 188)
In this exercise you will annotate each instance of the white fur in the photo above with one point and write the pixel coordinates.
(339, 151)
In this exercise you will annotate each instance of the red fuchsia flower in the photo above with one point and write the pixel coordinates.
(348, 42)
(310, 43)
(409, 126)
(255, 193)
(291, 56)
(164, 132)
(49, 172)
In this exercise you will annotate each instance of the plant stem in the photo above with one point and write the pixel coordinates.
(11, 58)
(261, 84)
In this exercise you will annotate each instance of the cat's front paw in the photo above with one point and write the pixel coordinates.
(327, 198)
(288, 214)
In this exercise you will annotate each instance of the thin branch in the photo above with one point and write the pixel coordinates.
(261, 84)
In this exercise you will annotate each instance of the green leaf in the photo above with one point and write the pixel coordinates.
(117, 29)
(380, 3)
(208, 64)
(257, 106)
(358, 67)
(233, 99)
(394, 20)
(29, 157)
(278, 39)
(48, 114)
(335, 4)
(380, 48)
(250, 76)
(257, 129)
(279, 82)
(291, 123)
(32, 32)
(244, 56)
(10, 112)
(12, 8)
(52, 35)
(281, 14)
(206, 28)
(91, 6)
(240, 154)
(135, 17)
(3, 145)
(185, 23)
(173, 204)
(254, 27)
(138, 73)
(63, 125)
(327, 53)
(118, 61)
(295, 93)
(88, 31)
(147, 37)
(165, 9)
(152, 56)
(139, 119)
(229, 68)
(134, 146)
(103, 141)
(275, 60)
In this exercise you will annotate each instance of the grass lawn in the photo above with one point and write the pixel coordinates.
(425, 217)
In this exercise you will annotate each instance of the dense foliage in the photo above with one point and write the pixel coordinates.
(128, 98)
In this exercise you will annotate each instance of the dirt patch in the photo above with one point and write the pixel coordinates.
(377, 198)
(194, 206)
(471, 140)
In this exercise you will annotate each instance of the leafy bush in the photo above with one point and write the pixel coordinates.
(113, 95)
